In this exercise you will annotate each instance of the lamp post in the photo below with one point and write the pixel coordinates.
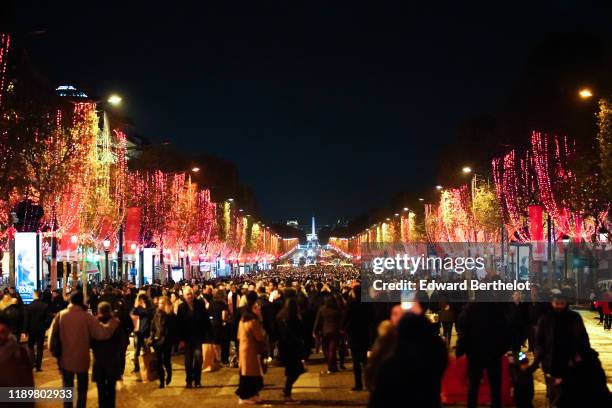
(182, 257)
(74, 240)
(106, 244)
(566, 242)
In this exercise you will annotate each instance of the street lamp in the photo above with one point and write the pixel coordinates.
(439, 187)
(466, 170)
(75, 240)
(195, 169)
(566, 243)
(182, 256)
(114, 99)
(585, 93)
(106, 243)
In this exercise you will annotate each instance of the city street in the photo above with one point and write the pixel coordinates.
(312, 389)
(339, 182)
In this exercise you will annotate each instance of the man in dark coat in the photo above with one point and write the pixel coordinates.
(57, 303)
(144, 312)
(483, 338)
(561, 341)
(106, 370)
(194, 328)
(35, 324)
(414, 371)
(357, 324)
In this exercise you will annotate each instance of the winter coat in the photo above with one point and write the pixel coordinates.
(291, 347)
(77, 328)
(16, 369)
(357, 323)
(483, 331)
(193, 325)
(415, 369)
(560, 337)
(163, 329)
(107, 357)
(36, 314)
(328, 320)
(251, 337)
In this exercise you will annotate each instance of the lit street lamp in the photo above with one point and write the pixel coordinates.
(114, 100)
(106, 243)
(585, 93)
(466, 170)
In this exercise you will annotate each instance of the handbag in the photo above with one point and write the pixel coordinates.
(148, 361)
(56, 349)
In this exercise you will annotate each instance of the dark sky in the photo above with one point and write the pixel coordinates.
(326, 106)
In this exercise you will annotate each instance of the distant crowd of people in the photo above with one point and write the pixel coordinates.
(247, 322)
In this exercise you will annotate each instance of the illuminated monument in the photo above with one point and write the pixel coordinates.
(312, 239)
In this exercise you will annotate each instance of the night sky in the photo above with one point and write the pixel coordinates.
(326, 106)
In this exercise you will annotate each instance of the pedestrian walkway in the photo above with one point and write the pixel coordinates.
(313, 388)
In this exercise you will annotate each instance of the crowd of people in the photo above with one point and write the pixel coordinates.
(283, 317)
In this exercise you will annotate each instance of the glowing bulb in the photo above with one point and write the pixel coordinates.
(114, 99)
(585, 93)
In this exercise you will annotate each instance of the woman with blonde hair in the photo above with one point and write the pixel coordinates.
(163, 334)
(252, 341)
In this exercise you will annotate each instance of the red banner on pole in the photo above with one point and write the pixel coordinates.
(536, 229)
(132, 227)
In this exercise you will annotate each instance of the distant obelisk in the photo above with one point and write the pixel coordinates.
(314, 234)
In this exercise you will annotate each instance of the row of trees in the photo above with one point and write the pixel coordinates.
(64, 171)
(548, 176)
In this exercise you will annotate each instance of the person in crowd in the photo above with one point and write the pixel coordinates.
(35, 325)
(357, 322)
(142, 313)
(327, 327)
(604, 306)
(521, 373)
(384, 345)
(252, 342)
(6, 301)
(15, 314)
(537, 307)
(194, 329)
(484, 338)
(561, 341)
(219, 314)
(446, 317)
(94, 300)
(106, 370)
(415, 367)
(290, 344)
(15, 366)
(517, 315)
(163, 332)
(71, 333)
(342, 340)
(58, 303)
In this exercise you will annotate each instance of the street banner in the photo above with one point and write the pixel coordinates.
(132, 227)
(27, 264)
(66, 244)
(536, 229)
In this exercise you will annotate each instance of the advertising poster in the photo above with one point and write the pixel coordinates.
(177, 273)
(27, 260)
(523, 262)
(148, 254)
